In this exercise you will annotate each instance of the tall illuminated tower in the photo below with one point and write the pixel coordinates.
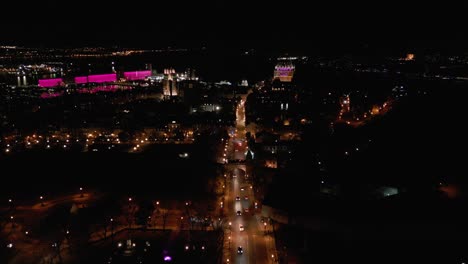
(170, 83)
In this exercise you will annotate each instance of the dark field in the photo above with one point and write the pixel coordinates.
(158, 171)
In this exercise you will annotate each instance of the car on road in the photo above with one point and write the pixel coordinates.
(241, 228)
(246, 210)
(239, 213)
(237, 198)
(246, 197)
(242, 189)
(240, 250)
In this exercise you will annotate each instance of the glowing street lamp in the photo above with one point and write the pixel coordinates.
(81, 191)
(42, 200)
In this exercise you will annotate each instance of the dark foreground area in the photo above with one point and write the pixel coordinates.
(158, 171)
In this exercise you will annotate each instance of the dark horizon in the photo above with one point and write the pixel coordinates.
(290, 26)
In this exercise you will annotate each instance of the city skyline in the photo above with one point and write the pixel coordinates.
(233, 132)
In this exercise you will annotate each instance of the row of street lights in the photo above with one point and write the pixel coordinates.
(41, 198)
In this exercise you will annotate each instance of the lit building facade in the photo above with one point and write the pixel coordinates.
(284, 72)
(170, 83)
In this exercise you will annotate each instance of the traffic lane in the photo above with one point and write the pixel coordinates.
(241, 239)
(238, 238)
(247, 238)
(259, 247)
(253, 242)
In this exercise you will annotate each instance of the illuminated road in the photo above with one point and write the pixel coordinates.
(257, 247)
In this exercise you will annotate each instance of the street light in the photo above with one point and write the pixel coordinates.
(42, 200)
(81, 191)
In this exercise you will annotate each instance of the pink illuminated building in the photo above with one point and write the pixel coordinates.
(102, 78)
(81, 79)
(50, 82)
(136, 75)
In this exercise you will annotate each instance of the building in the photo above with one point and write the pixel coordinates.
(284, 71)
(170, 88)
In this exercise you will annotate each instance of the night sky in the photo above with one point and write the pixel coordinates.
(233, 23)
